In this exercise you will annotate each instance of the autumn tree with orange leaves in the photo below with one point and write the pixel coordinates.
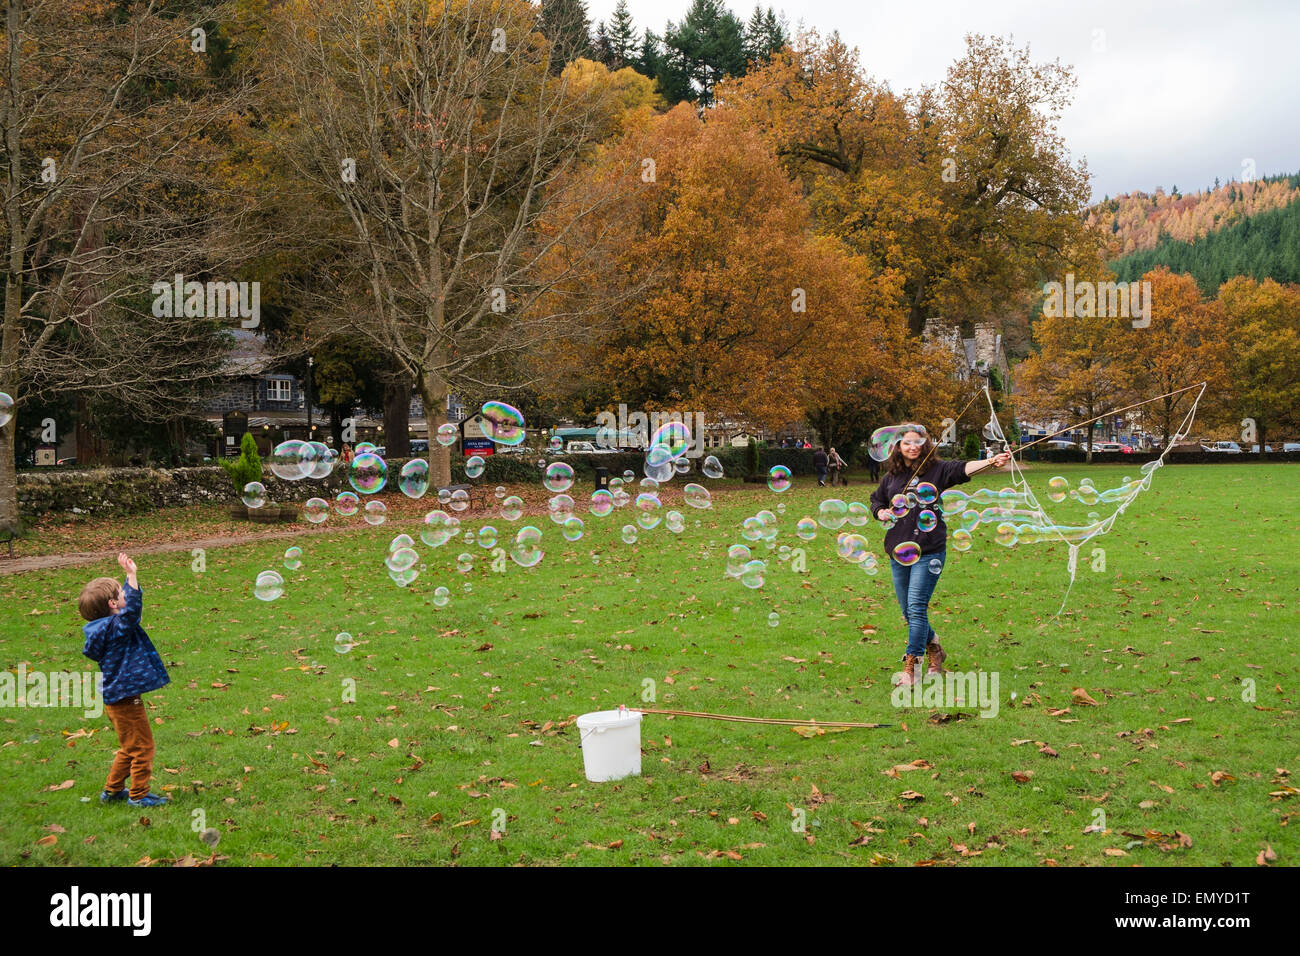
(740, 311)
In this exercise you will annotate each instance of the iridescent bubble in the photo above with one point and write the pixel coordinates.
(6, 408)
(444, 495)
(268, 586)
(783, 552)
(712, 468)
(368, 473)
(323, 461)
(512, 508)
(403, 578)
(500, 492)
(342, 642)
(347, 503)
(752, 528)
(806, 529)
(883, 439)
(527, 551)
(459, 500)
(859, 514)
(437, 529)
(682, 465)
(629, 534)
(952, 501)
(658, 463)
(556, 444)
(648, 505)
(401, 559)
(697, 496)
(870, 564)
(401, 541)
(1087, 494)
(1006, 536)
(852, 548)
(413, 480)
(675, 437)
(1058, 488)
(780, 508)
(447, 434)
(907, 553)
(441, 596)
(675, 522)
(751, 575)
(648, 484)
(898, 506)
(602, 502)
(935, 566)
(468, 537)
(911, 500)
(364, 447)
(737, 556)
(464, 562)
(286, 460)
(293, 558)
(774, 620)
(254, 494)
(316, 510)
(832, 513)
(561, 507)
(926, 493)
(926, 520)
(778, 478)
(504, 424)
(376, 512)
(487, 537)
(572, 528)
(961, 539)
(629, 475)
(474, 466)
(541, 463)
(621, 498)
(559, 477)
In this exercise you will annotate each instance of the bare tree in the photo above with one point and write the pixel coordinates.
(105, 118)
(436, 136)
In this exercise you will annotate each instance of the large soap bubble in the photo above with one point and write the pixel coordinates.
(368, 473)
(413, 480)
(503, 423)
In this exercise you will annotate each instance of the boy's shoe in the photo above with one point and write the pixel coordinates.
(106, 797)
(148, 800)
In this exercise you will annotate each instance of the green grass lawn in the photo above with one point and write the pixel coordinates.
(463, 714)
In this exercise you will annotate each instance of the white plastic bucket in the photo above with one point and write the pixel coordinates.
(611, 744)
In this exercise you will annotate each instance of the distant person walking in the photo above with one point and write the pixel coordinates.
(837, 467)
(873, 468)
(820, 463)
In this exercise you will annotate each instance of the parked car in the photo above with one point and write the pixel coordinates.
(1062, 444)
(1254, 449)
(1224, 448)
(586, 448)
(68, 461)
(1291, 446)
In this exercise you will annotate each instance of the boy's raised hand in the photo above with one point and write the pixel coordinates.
(128, 566)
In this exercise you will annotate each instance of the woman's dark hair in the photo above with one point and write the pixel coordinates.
(896, 464)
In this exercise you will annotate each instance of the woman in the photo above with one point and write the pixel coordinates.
(837, 467)
(911, 462)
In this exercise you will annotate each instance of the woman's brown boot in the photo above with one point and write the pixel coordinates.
(911, 670)
(934, 658)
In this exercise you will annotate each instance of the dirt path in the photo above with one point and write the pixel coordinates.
(44, 562)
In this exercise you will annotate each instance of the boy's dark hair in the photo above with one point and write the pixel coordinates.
(95, 596)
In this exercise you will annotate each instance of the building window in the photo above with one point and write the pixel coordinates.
(279, 390)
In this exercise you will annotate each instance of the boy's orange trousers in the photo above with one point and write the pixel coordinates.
(135, 757)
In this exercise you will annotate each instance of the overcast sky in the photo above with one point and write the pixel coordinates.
(1176, 94)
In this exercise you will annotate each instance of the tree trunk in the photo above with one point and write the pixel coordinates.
(433, 391)
(397, 420)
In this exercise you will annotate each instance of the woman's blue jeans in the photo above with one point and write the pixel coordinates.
(913, 585)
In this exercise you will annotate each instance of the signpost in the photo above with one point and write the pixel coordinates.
(474, 438)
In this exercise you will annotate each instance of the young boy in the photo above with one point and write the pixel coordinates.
(131, 667)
